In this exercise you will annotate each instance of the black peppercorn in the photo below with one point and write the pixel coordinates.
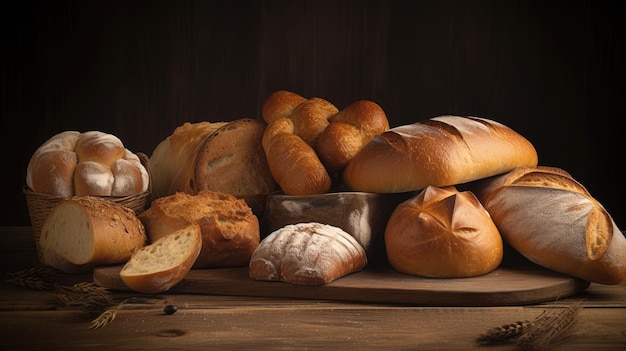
(170, 309)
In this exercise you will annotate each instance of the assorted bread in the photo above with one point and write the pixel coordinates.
(307, 254)
(443, 233)
(209, 182)
(552, 220)
(89, 163)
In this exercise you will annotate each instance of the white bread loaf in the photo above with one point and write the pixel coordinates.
(87, 230)
(221, 156)
(443, 233)
(551, 219)
(230, 231)
(158, 267)
(89, 163)
(307, 254)
(441, 151)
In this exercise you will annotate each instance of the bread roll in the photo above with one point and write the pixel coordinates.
(551, 219)
(91, 230)
(290, 139)
(443, 233)
(441, 151)
(280, 104)
(223, 156)
(94, 163)
(349, 130)
(230, 231)
(307, 254)
(161, 265)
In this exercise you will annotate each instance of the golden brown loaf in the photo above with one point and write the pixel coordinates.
(158, 267)
(280, 104)
(552, 220)
(222, 156)
(89, 163)
(441, 151)
(230, 231)
(289, 143)
(348, 131)
(307, 254)
(443, 233)
(87, 230)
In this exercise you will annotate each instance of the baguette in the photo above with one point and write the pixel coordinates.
(87, 230)
(551, 219)
(443, 233)
(441, 151)
(161, 265)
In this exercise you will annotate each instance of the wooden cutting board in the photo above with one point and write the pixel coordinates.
(519, 285)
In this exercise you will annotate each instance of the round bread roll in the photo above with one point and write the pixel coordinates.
(90, 163)
(280, 105)
(443, 233)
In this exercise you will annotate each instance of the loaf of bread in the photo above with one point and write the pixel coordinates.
(307, 254)
(88, 230)
(89, 163)
(290, 139)
(441, 151)
(230, 231)
(443, 233)
(221, 156)
(158, 267)
(348, 131)
(551, 219)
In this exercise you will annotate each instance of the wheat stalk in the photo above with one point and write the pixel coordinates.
(130, 303)
(88, 297)
(39, 278)
(548, 329)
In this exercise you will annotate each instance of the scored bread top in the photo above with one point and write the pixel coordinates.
(307, 254)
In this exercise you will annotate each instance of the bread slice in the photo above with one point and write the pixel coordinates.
(85, 230)
(230, 231)
(163, 264)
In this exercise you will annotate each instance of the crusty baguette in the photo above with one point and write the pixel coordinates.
(90, 230)
(161, 265)
(443, 233)
(441, 151)
(230, 231)
(307, 254)
(552, 220)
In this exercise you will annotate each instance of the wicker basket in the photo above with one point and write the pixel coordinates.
(40, 205)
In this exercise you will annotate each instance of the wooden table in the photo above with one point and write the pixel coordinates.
(33, 319)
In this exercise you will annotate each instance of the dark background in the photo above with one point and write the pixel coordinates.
(552, 70)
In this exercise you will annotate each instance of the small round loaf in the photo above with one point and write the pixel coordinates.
(230, 231)
(441, 151)
(161, 265)
(349, 130)
(443, 233)
(94, 163)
